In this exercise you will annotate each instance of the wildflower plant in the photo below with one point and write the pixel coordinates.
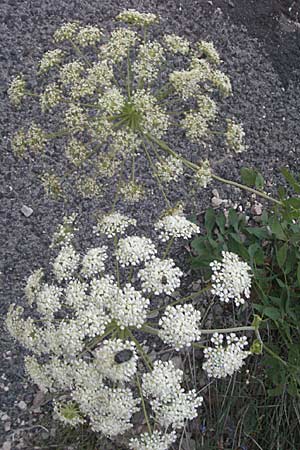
(86, 327)
(118, 96)
(258, 265)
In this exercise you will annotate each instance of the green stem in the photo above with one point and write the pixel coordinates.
(247, 188)
(195, 167)
(228, 330)
(150, 330)
(184, 299)
(128, 76)
(268, 350)
(117, 262)
(156, 176)
(147, 361)
(168, 248)
(143, 404)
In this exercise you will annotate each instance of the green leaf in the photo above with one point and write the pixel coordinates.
(276, 228)
(291, 180)
(221, 221)
(282, 254)
(293, 202)
(248, 176)
(298, 274)
(233, 219)
(272, 312)
(259, 181)
(275, 392)
(260, 233)
(210, 220)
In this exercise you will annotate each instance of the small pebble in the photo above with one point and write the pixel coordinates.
(5, 417)
(26, 211)
(215, 193)
(215, 201)
(257, 209)
(22, 405)
(6, 446)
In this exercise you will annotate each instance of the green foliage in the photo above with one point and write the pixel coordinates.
(273, 251)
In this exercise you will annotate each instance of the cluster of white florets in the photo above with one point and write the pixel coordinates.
(203, 176)
(160, 276)
(170, 403)
(133, 250)
(180, 326)
(231, 279)
(93, 262)
(117, 359)
(154, 441)
(169, 169)
(83, 337)
(113, 224)
(222, 361)
(131, 16)
(129, 116)
(235, 136)
(177, 44)
(174, 226)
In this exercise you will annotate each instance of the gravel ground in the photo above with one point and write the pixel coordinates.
(260, 45)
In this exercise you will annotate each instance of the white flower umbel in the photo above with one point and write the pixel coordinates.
(175, 226)
(118, 94)
(50, 59)
(17, 90)
(169, 169)
(203, 176)
(66, 32)
(113, 224)
(163, 382)
(180, 326)
(235, 135)
(110, 410)
(93, 262)
(48, 300)
(76, 294)
(133, 250)
(222, 361)
(130, 308)
(208, 49)
(174, 413)
(160, 276)
(131, 16)
(156, 441)
(89, 35)
(231, 279)
(116, 360)
(104, 292)
(65, 232)
(177, 44)
(66, 263)
(33, 285)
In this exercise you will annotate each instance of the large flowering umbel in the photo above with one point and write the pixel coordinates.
(84, 327)
(111, 104)
(222, 361)
(84, 330)
(231, 279)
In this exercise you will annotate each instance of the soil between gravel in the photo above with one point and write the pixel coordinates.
(259, 42)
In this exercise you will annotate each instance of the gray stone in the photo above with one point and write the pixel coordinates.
(6, 446)
(22, 405)
(26, 211)
(216, 202)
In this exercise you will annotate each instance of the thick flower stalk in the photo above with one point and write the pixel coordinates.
(119, 95)
(85, 330)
